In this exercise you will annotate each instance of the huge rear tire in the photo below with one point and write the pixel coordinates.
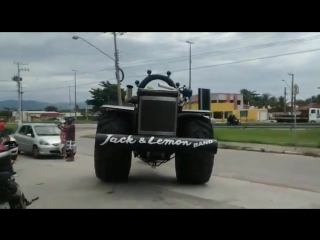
(194, 167)
(112, 164)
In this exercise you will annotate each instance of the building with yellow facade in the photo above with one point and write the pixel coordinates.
(223, 104)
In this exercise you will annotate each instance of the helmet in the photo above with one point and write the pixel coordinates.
(69, 120)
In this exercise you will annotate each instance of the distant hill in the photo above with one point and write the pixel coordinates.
(35, 105)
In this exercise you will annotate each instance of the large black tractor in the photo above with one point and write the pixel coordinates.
(155, 129)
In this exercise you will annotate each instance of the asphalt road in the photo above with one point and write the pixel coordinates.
(240, 180)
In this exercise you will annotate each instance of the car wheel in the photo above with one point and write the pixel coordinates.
(35, 152)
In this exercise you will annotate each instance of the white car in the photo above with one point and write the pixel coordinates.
(40, 139)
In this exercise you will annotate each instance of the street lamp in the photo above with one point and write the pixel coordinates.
(116, 60)
(286, 84)
(77, 37)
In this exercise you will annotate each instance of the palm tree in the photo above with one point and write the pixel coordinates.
(249, 97)
(265, 100)
(273, 101)
(282, 103)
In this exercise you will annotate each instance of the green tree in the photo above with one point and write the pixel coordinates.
(274, 101)
(51, 109)
(250, 97)
(264, 100)
(106, 93)
(278, 105)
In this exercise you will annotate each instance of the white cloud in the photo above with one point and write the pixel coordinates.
(52, 56)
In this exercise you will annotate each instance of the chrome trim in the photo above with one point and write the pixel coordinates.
(4, 154)
(157, 98)
(118, 107)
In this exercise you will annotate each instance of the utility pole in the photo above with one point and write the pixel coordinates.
(116, 55)
(292, 83)
(285, 100)
(75, 94)
(21, 103)
(116, 60)
(190, 43)
(295, 92)
(70, 101)
(19, 84)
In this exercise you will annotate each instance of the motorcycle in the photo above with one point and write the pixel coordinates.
(233, 121)
(11, 143)
(11, 196)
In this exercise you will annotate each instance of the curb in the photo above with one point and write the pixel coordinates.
(88, 136)
(232, 147)
(311, 154)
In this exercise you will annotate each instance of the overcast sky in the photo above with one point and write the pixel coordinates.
(52, 56)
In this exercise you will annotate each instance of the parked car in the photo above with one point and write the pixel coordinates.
(40, 139)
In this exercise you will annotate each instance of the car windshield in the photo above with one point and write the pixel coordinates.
(47, 130)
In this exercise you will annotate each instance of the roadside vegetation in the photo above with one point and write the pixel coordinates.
(281, 137)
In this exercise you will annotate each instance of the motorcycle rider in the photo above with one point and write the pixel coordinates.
(231, 118)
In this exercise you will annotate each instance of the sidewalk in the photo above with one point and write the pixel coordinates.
(270, 148)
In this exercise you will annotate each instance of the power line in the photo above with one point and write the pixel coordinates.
(202, 67)
(219, 40)
(84, 84)
(148, 62)
(198, 56)
(171, 42)
(251, 59)
(217, 53)
(224, 52)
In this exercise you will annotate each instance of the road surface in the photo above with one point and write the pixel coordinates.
(240, 180)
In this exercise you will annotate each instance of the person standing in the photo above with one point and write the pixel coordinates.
(70, 131)
(63, 139)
